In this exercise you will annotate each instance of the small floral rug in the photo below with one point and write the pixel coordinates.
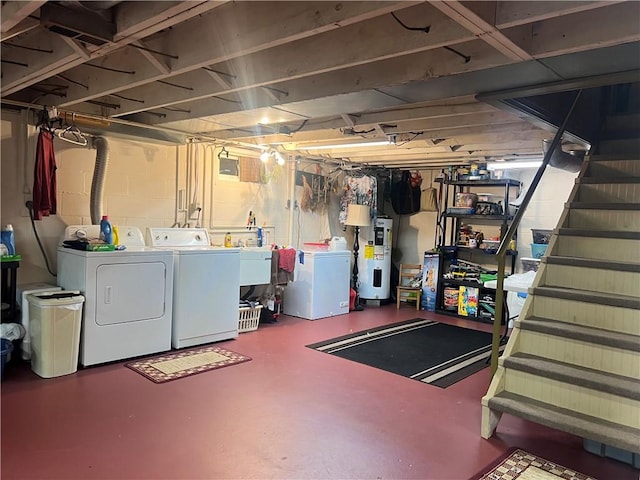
(180, 364)
(521, 465)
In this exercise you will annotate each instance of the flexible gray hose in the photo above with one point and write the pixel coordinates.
(99, 177)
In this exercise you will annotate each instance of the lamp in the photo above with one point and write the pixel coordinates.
(357, 216)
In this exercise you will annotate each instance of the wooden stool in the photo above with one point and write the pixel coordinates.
(405, 292)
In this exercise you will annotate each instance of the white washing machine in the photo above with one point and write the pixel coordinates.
(206, 286)
(128, 295)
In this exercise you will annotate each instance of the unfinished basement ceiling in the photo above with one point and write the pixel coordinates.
(298, 76)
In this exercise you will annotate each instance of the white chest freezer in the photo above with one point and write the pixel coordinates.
(322, 285)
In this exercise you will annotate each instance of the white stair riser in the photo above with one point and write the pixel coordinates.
(596, 248)
(609, 192)
(593, 279)
(606, 406)
(624, 220)
(604, 317)
(614, 168)
(583, 354)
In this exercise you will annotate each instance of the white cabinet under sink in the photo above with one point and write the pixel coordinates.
(255, 266)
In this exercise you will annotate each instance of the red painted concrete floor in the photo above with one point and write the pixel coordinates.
(291, 412)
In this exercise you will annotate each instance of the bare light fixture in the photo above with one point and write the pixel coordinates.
(266, 155)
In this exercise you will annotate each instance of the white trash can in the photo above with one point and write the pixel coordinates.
(21, 297)
(54, 324)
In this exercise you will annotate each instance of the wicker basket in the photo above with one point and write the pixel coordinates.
(249, 319)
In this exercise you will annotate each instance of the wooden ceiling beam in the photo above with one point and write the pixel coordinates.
(613, 25)
(482, 29)
(14, 12)
(63, 59)
(262, 26)
(397, 70)
(510, 14)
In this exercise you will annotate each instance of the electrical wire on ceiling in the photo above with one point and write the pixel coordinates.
(415, 135)
(419, 29)
(351, 131)
(426, 29)
(467, 58)
(304, 122)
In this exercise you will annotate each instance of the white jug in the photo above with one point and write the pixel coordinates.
(337, 243)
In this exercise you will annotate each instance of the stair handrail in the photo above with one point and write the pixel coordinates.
(506, 240)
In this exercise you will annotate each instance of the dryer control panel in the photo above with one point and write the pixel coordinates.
(178, 237)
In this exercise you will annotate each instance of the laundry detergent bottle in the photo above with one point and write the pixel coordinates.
(106, 231)
(8, 239)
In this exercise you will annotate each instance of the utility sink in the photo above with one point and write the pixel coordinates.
(255, 266)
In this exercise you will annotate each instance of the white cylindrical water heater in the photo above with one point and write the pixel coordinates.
(374, 260)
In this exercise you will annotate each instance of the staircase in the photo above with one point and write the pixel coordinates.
(573, 359)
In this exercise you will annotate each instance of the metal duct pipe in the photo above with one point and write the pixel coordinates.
(563, 160)
(99, 176)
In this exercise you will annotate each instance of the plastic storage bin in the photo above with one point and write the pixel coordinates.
(541, 236)
(538, 249)
(249, 318)
(54, 322)
(6, 347)
(530, 264)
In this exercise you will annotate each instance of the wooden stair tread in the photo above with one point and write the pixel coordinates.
(583, 333)
(590, 263)
(586, 426)
(590, 180)
(581, 232)
(603, 206)
(574, 374)
(612, 299)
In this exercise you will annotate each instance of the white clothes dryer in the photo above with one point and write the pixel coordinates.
(128, 295)
(206, 286)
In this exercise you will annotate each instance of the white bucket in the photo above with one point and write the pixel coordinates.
(337, 243)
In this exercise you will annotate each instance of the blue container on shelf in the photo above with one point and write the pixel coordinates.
(538, 249)
(6, 347)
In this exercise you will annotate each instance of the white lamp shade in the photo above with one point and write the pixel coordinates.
(358, 215)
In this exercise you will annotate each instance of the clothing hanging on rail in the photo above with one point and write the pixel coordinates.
(362, 190)
(44, 177)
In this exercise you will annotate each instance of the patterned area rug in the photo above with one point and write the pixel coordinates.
(175, 365)
(521, 465)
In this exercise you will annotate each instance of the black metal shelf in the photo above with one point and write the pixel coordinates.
(502, 218)
(466, 283)
(490, 182)
(480, 250)
(453, 313)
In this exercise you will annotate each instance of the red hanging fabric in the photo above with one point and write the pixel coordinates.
(44, 177)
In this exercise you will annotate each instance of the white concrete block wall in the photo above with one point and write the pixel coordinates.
(545, 207)
(139, 190)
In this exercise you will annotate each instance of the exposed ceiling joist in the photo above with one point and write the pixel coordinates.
(299, 74)
(14, 12)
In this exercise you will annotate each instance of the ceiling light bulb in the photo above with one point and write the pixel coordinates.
(264, 156)
(279, 158)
